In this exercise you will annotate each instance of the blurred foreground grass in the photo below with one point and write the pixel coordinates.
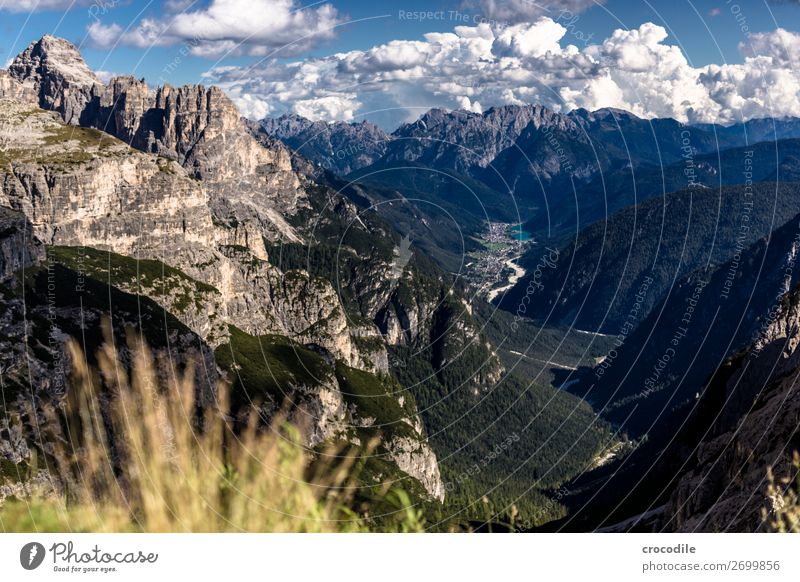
(142, 455)
(784, 515)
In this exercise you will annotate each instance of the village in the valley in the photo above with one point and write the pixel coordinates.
(493, 270)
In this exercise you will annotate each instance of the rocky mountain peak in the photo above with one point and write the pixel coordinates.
(436, 120)
(51, 54)
(59, 76)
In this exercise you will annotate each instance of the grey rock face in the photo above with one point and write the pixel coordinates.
(60, 78)
(417, 459)
(321, 414)
(198, 127)
(18, 247)
(79, 187)
(119, 109)
(11, 88)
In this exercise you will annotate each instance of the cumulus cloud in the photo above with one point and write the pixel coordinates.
(782, 46)
(523, 40)
(255, 27)
(481, 66)
(104, 36)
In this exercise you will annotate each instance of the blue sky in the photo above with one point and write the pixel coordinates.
(220, 41)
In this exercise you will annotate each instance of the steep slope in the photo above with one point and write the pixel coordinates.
(70, 295)
(11, 88)
(251, 187)
(79, 186)
(659, 368)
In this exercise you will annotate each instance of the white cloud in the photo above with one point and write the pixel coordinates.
(104, 36)
(147, 34)
(255, 27)
(523, 40)
(330, 107)
(252, 107)
(781, 45)
(488, 65)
